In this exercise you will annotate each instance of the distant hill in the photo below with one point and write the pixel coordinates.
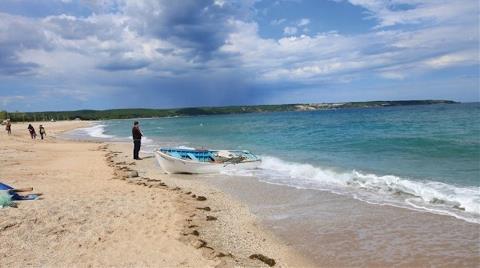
(194, 111)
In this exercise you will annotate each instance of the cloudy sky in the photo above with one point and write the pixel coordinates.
(101, 54)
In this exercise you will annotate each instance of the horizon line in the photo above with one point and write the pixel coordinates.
(238, 105)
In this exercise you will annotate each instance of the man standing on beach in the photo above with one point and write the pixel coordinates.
(137, 140)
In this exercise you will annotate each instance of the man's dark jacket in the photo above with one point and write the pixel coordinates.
(136, 134)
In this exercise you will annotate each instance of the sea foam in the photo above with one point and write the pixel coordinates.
(435, 197)
(96, 131)
(144, 139)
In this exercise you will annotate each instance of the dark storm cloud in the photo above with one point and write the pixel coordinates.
(193, 31)
(206, 88)
(194, 91)
(10, 65)
(199, 25)
(123, 65)
(18, 33)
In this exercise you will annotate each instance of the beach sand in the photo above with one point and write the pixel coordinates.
(92, 215)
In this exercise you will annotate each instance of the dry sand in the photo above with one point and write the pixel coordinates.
(92, 214)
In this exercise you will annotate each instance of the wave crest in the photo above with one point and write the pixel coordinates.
(435, 197)
(96, 131)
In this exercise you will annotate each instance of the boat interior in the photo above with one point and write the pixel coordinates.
(210, 155)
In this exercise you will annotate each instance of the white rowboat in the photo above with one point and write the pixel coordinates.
(174, 160)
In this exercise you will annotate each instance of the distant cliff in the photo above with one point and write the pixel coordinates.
(150, 113)
(369, 104)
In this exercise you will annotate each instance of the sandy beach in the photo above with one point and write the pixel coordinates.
(94, 212)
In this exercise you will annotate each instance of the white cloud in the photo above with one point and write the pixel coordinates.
(395, 12)
(448, 60)
(303, 22)
(290, 30)
(278, 21)
(391, 54)
(219, 3)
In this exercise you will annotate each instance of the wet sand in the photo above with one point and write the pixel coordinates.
(339, 231)
(92, 215)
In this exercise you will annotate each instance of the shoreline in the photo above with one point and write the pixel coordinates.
(397, 190)
(88, 215)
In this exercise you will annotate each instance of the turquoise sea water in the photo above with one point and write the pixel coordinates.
(420, 157)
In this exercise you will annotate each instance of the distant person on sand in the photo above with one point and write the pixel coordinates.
(42, 132)
(8, 127)
(33, 134)
(137, 140)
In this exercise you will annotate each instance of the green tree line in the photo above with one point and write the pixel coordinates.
(194, 111)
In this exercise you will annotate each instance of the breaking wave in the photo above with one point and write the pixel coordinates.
(96, 131)
(431, 196)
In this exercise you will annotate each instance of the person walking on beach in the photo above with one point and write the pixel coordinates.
(33, 134)
(42, 131)
(8, 127)
(137, 140)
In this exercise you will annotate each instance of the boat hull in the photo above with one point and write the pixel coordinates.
(173, 165)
